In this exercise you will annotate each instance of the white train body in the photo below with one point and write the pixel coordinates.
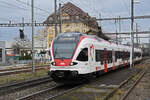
(76, 54)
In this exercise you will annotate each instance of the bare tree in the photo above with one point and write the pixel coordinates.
(16, 48)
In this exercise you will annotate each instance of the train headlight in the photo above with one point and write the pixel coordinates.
(73, 63)
(53, 63)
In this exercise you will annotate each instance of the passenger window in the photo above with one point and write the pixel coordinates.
(83, 55)
(98, 57)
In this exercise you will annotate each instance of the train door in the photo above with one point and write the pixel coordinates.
(92, 57)
(97, 59)
(113, 59)
(105, 60)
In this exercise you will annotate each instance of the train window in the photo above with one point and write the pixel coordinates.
(119, 54)
(116, 55)
(139, 54)
(83, 55)
(0, 54)
(135, 55)
(109, 57)
(98, 57)
(122, 55)
(128, 55)
(102, 56)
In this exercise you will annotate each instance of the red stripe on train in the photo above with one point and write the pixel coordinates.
(82, 37)
(96, 68)
(105, 65)
(52, 49)
(127, 61)
(63, 62)
(113, 66)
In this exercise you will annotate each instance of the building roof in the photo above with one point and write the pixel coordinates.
(75, 14)
(73, 10)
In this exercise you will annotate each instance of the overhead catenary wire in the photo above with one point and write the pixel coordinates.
(26, 3)
(10, 5)
(18, 7)
(7, 3)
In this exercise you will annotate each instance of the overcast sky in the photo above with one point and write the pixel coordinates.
(14, 10)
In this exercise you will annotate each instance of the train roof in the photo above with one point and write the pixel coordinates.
(78, 35)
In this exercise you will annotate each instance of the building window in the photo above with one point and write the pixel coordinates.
(77, 25)
(68, 30)
(51, 19)
(67, 25)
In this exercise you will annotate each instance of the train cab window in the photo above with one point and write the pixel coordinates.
(83, 55)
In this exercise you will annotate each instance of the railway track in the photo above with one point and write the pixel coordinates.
(58, 91)
(50, 93)
(20, 70)
(127, 89)
(22, 85)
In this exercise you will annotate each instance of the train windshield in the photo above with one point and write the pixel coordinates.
(64, 50)
(64, 46)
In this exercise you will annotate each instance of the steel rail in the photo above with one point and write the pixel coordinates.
(19, 68)
(19, 71)
(64, 92)
(122, 84)
(25, 84)
(30, 96)
(132, 87)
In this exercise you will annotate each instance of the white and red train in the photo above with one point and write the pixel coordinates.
(78, 56)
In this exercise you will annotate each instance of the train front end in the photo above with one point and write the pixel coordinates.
(64, 51)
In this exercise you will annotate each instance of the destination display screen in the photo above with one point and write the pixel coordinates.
(0, 54)
(67, 38)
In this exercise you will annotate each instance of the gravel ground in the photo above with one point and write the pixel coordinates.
(142, 89)
(17, 94)
(100, 87)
